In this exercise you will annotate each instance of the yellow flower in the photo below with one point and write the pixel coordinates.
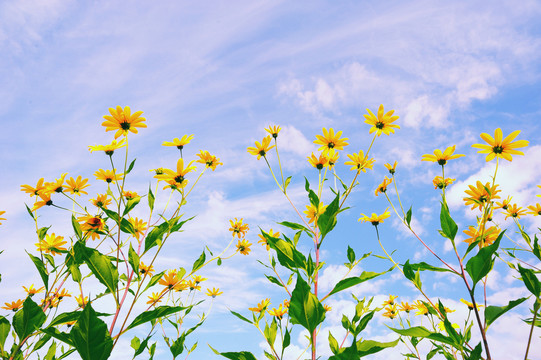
(14, 306)
(261, 149)
(504, 204)
(273, 130)
(484, 236)
(51, 244)
(122, 120)
(470, 305)
(179, 143)
(392, 169)
(243, 246)
(332, 156)
(193, 285)
(500, 147)
(91, 225)
(535, 209)
(318, 163)
(391, 312)
(238, 228)
(382, 123)
(1, 218)
(441, 325)
(130, 195)
(383, 186)
(515, 211)
(375, 219)
(404, 306)
(442, 158)
(171, 280)
(45, 200)
(108, 149)
(390, 301)
(60, 294)
(210, 161)
(263, 240)
(31, 290)
(278, 313)
(261, 306)
(313, 213)
(144, 269)
(139, 226)
(57, 185)
(198, 279)
(330, 141)
(81, 300)
(421, 308)
(76, 186)
(441, 183)
(109, 176)
(34, 191)
(154, 298)
(360, 162)
(327, 307)
(214, 292)
(177, 177)
(480, 194)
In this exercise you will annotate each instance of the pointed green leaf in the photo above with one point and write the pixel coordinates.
(151, 199)
(243, 355)
(90, 336)
(494, 312)
(479, 266)
(100, 265)
(133, 259)
(352, 281)
(408, 217)
(4, 330)
(199, 262)
(304, 307)
(28, 319)
(154, 314)
(130, 168)
(240, 317)
(41, 269)
(530, 280)
(448, 225)
(131, 204)
(368, 347)
(76, 228)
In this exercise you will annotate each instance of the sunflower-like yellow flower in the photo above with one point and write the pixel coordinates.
(193, 286)
(375, 219)
(81, 300)
(383, 123)
(14, 305)
(390, 301)
(109, 176)
(179, 143)
(318, 163)
(209, 160)
(263, 240)
(108, 149)
(330, 141)
(155, 298)
(261, 306)
(391, 168)
(123, 121)
(442, 158)
(360, 162)
(238, 228)
(61, 293)
(1, 218)
(279, 312)
(273, 130)
(313, 213)
(470, 305)
(145, 269)
(177, 177)
(421, 307)
(34, 191)
(535, 209)
(504, 204)
(483, 235)
(499, 146)
(243, 247)
(480, 194)
(91, 225)
(261, 149)
(31, 290)
(198, 279)
(76, 186)
(441, 183)
(383, 186)
(139, 225)
(405, 306)
(332, 156)
(171, 280)
(57, 185)
(45, 199)
(391, 312)
(515, 211)
(51, 244)
(214, 292)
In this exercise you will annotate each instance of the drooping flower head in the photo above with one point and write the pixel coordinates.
(375, 219)
(179, 143)
(480, 194)
(209, 160)
(383, 123)
(360, 162)
(330, 141)
(108, 149)
(499, 146)
(383, 186)
(123, 121)
(44, 199)
(442, 158)
(261, 149)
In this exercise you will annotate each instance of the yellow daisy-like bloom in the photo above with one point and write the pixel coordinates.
(56, 186)
(313, 213)
(470, 305)
(263, 240)
(404, 306)
(360, 162)
(31, 290)
(144, 269)
(515, 211)
(60, 294)
(261, 149)
(421, 308)
(332, 157)
(383, 186)
(327, 307)
(45, 199)
(480, 194)
(177, 177)
(34, 191)
(76, 186)
(130, 195)
(286, 303)
(504, 204)
(109, 176)
(210, 161)
(441, 326)
(14, 305)
(390, 301)
(193, 285)
(91, 225)
(171, 280)
(214, 292)
(484, 236)
(278, 313)
(123, 121)
(51, 244)
(179, 143)
(1, 218)
(81, 300)
(330, 141)
(500, 147)
(391, 312)
(139, 225)
(273, 130)
(198, 279)
(375, 219)
(243, 247)
(154, 298)
(535, 209)
(261, 306)
(108, 149)
(441, 183)
(442, 158)
(238, 228)
(391, 168)
(318, 163)
(383, 123)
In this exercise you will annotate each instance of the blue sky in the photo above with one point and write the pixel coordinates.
(225, 70)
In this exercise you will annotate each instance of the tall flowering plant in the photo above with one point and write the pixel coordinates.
(103, 279)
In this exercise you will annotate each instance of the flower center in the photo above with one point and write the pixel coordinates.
(497, 149)
(125, 125)
(442, 161)
(380, 125)
(262, 152)
(331, 145)
(179, 179)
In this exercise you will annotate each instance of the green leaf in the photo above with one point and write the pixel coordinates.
(287, 339)
(351, 255)
(286, 183)
(367, 347)
(41, 269)
(333, 344)
(57, 334)
(151, 199)
(274, 280)
(130, 168)
(327, 221)
(178, 346)
(530, 280)
(240, 317)
(408, 217)
(131, 204)
(90, 336)
(76, 228)
(288, 255)
(364, 322)
(51, 352)
(154, 314)
(42, 232)
(412, 276)
(422, 266)
(28, 319)
(133, 259)
(293, 226)
(352, 281)
(270, 331)
(494, 312)
(479, 266)
(199, 262)
(419, 331)
(4, 330)
(243, 355)
(448, 225)
(304, 307)
(99, 265)
(476, 353)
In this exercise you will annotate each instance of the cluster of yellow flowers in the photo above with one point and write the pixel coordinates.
(239, 228)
